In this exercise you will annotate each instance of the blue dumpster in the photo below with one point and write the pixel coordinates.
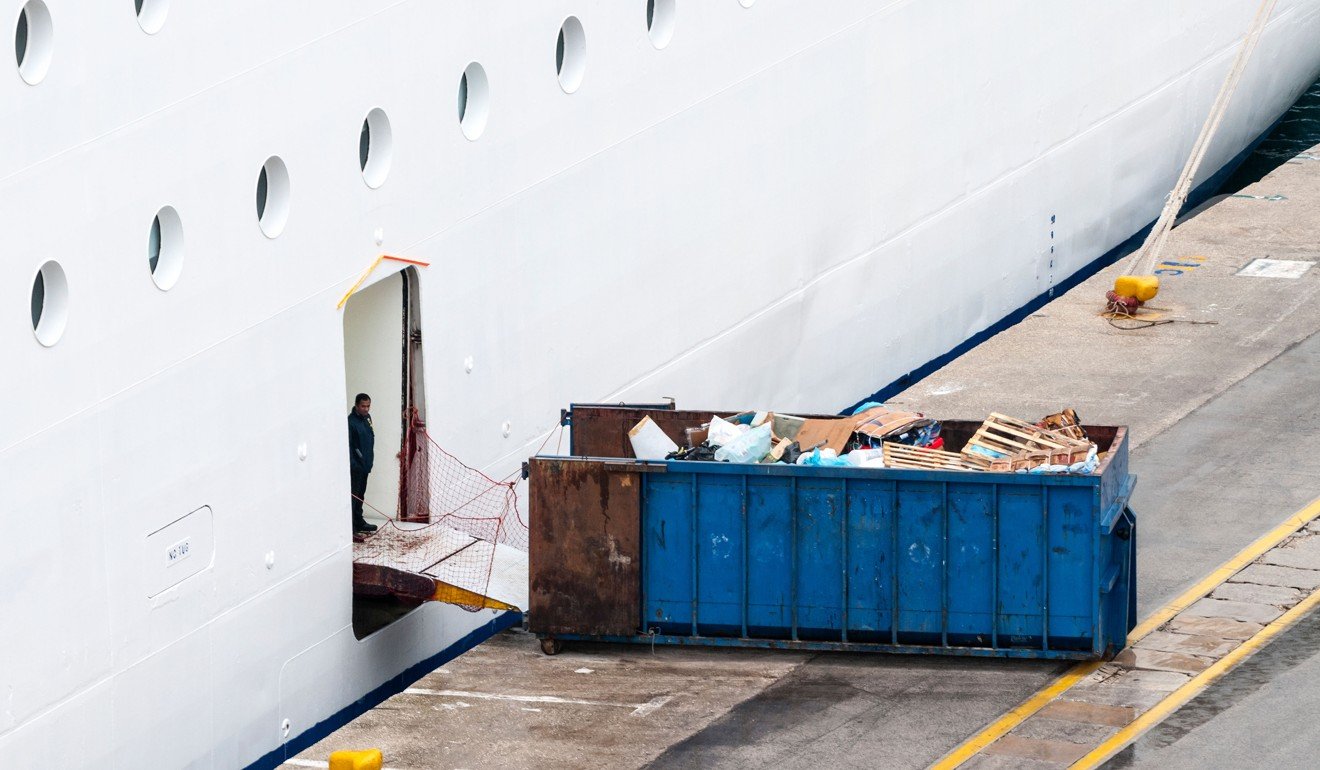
(779, 556)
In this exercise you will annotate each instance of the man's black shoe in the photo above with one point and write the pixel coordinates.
(364, 527)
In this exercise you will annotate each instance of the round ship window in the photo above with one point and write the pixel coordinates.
(473, 101)
(660, 21)
(34, 38)
(375, 147)
(50, 303)
(165, 248)
(273, 196)
(151, 14)
(571, 55)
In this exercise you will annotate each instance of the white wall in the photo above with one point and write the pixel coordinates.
(373, 364)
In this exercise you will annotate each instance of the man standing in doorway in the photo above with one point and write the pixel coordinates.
(361, 455)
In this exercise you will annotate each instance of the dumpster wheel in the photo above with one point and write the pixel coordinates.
(551, 646)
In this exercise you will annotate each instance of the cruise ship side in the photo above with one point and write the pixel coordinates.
(728, 201)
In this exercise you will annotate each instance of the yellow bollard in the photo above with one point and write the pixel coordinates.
(369, 759)
(1143, 287)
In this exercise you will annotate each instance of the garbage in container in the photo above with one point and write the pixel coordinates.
(649, 442)
(876, 436)
(749, 447)
(1006, 443)
(1066, 422)
(702, 452)
(722, 432)
(822, 458)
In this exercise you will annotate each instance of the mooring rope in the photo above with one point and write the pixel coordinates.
(1144, 261)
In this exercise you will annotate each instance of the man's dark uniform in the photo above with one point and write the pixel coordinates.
(361, 455)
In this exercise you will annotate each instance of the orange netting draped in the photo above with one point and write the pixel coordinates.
(454, 521)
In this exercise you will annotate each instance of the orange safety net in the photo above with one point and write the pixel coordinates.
(454, 520)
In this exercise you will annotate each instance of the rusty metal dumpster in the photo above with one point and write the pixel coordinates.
(793, 557)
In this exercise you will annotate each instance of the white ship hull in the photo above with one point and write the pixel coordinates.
(792, 203)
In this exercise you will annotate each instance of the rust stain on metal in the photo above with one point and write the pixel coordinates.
(585, 548)
(378, 580)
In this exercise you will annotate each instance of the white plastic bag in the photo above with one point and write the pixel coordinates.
(722, 432)
(822, 458)
(748, 447)
(859, 458)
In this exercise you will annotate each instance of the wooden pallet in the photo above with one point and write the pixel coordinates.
(918, 458)
(1018, 462)
(1003, 438)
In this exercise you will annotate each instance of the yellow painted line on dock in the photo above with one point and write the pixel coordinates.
(1001, 726)
(1228, 569)
(1179, 697)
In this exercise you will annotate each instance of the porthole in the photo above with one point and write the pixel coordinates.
(34, 40)
(660, 21)
(151, 14)
(375, 148)
(50, 303)
(473, 101)
(165, 248)
(571, 54)
(273, 197)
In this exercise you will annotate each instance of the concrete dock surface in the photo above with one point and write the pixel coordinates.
(1224, 407)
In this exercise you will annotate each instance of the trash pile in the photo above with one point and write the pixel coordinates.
(876, 436)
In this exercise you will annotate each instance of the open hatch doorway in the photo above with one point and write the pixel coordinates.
(383, 359)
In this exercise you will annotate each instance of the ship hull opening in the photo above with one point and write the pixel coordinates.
(382, 359)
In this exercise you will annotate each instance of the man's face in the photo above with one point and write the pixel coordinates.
(363, 407)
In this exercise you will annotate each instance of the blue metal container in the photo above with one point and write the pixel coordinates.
(926, 561)
(1002, 564)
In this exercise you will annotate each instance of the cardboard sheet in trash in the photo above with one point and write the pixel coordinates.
(826, 434)
(877, 422)
(880, 422)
